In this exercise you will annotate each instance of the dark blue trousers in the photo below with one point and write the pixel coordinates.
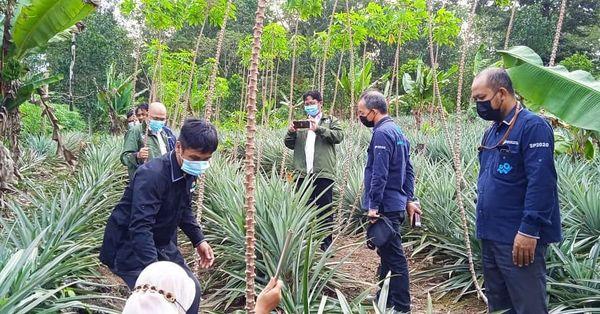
(130, 278)
(393, 259)
(509, 287)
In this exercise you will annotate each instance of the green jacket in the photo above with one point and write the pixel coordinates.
(328, 134)
(134, 141)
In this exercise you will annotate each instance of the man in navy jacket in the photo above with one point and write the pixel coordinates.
(389, 191)
(517, 197)
(142, 229)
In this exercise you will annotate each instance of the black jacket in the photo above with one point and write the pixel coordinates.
(142, 228)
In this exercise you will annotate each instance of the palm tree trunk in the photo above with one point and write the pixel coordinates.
(396, 70)
(188, 92)
(326, 49)
(316, 71)
(135, 71)
(276, 82)
(156, 74)
(250, 169)
(561, 17)
(291, 103)
(335, 89)
(71, 70)
(455, 144)
(513, 10)
(208, 110)
(351, 73)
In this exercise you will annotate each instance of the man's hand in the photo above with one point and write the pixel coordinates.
(411, 209)
(373, 215)
(523, 250)
(292, 128)
(269, 298)
(313, 124)
(205, 252)
(143, 153)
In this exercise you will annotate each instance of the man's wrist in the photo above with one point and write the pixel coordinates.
(528, 235)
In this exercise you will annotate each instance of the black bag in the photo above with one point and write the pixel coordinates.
(380, 233)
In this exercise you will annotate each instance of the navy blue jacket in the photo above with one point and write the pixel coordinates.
(389, 177)
(517, 190)
(142, 228)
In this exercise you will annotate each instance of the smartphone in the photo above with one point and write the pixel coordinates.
(301, 124)
(286, 247)
(416, 218)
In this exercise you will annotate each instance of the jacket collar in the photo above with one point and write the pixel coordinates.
(508, 119)
(176, 172)
(382, 121)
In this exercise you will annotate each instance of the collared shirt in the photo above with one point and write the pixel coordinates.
(143, 226)
(309, 147)
(517, 189)
(389, 176)
(161, 142)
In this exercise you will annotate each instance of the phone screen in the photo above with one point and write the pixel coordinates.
(301, 124)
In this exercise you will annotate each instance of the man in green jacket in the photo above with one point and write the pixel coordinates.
(314, 155)
(147, 140)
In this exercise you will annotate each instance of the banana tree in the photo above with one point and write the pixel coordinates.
(420, 89)
(28, 26)
(573, 97)
(115, 98)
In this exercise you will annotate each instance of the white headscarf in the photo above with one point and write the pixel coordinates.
(167, 277)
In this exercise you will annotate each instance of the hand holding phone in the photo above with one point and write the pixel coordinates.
(301, 124)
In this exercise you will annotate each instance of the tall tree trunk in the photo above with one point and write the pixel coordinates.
(396, 75)
(315, 72)
(455, 143)
(291, 103)
(154, 88)
(71, 70)
(208, 110)
(364, 55)
(513, 10)
(61, 149)
(189, 111)
(326, 49)
(6, 43)
(135, 71)
(250, 169)
(351, 73)
(335, 89)
(276, 91)
(561, 17)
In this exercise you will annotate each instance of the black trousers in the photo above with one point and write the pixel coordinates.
(323, 193)
(394, 261)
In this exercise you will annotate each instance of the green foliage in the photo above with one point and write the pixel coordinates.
(305, 8)
(571, 96)
(40, 20)
(49, 237)
(446, 26)
(33, 122)
(578, 61)
(116, 94)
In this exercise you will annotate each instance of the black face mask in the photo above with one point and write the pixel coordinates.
(366, 122)
(486, 112)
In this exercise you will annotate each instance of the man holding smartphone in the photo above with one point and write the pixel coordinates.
(313, 141)
(389, 192)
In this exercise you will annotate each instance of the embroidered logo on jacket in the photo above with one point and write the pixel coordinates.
(504, 168)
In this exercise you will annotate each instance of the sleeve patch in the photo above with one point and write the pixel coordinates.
(539, 145)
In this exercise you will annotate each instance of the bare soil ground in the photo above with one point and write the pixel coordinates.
(363, 267)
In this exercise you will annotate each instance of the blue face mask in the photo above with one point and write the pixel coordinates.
(312, 110)
(156, 125)
(194, 168)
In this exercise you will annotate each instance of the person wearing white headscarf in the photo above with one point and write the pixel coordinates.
(162, 288)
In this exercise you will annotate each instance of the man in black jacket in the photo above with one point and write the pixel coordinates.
(142, 228)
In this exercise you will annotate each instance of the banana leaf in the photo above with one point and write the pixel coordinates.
(573, 97)
(41, 20)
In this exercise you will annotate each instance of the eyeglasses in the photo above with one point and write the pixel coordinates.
(506, 134)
